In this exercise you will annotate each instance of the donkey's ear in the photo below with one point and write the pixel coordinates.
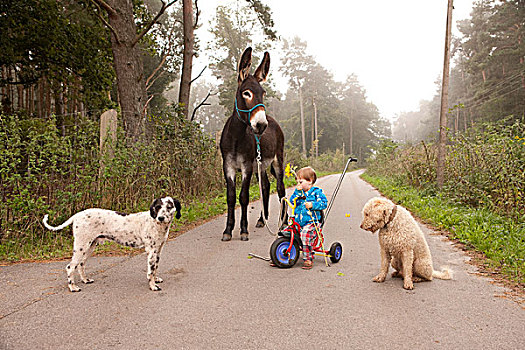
(262, 71)
(244, 64)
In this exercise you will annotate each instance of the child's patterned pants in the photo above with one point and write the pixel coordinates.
(308, 235)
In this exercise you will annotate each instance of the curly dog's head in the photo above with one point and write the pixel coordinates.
(376, 214)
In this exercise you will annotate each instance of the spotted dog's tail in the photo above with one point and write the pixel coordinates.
(58, 228)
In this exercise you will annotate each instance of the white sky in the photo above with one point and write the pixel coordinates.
(394, 47)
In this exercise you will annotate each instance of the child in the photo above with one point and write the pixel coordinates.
(311, 200)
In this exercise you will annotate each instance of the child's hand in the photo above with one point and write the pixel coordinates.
(308, 205)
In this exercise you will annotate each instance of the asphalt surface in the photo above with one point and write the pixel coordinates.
(214, 297)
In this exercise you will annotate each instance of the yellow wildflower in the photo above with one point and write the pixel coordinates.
(287, 170)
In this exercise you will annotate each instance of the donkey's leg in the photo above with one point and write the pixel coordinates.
(229, 175)
(278, 171)
(244, 199)
(265, 184)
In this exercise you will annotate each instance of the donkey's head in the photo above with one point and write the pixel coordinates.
(249, 103)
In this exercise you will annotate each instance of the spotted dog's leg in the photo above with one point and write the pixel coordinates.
(78, 251)
(153, 262)
(157, 278)
(82, 265)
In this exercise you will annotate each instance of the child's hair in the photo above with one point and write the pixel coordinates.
(307, 173)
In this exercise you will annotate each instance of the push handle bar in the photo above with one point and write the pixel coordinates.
(337, 187)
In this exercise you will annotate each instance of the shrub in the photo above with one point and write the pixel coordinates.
(45, 172)
(484, 167)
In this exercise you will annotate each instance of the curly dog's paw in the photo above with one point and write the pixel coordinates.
(408, 285)
(379, 278)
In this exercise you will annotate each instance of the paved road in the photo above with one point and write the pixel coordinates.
(214, 297)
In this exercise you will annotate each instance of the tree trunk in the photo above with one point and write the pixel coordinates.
(316, 141)
(302, 120)
(312, 129)
(185, 80)
(352, 128)
(128, 67)
(440, 169)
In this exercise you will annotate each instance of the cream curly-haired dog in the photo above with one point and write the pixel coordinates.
(402, 243)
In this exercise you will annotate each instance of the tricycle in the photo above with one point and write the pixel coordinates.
(285, 250)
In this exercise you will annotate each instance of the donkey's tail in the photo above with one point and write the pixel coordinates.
(58, 228)
(444, 274)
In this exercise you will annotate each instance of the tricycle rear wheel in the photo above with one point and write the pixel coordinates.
(336, 251)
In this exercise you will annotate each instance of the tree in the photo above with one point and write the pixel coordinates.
(127, 60)
(55, 58)
(296, 65)
(189, 42)
(233, 28)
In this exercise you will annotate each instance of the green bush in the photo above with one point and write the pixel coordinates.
(484, 167)
(43, 172)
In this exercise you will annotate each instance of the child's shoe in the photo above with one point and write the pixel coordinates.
(308, 264)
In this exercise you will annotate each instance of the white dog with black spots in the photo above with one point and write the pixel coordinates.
(148, 229)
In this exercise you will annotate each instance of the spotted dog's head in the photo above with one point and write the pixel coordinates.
(163, 209)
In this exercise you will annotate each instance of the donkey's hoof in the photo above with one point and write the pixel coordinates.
(244, 236)
(259, 224)
(226, 237)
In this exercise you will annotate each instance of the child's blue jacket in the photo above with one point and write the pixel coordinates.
(319, 202)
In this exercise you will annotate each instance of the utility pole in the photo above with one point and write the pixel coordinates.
(440, 170)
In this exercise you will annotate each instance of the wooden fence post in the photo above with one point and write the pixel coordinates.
(108, 132)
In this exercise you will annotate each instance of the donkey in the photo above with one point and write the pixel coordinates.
(247, 126)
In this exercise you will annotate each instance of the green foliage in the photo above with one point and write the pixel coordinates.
(43, 172)
(501, 239)
(484, 167)
(62, 42)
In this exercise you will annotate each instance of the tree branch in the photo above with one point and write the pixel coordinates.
(105, 6)
(162, 61)
(104, 20)
(148, 27)
(154, 80)
(198, 76)
(147, 103)
(197, 12)
(201, 104)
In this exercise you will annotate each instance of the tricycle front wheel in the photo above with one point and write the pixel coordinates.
(279, 255)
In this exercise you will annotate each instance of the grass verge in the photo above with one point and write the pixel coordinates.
(501, 240)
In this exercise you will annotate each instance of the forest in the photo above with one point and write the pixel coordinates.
(66, 62)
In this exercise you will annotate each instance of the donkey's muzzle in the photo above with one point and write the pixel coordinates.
(259, 128)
